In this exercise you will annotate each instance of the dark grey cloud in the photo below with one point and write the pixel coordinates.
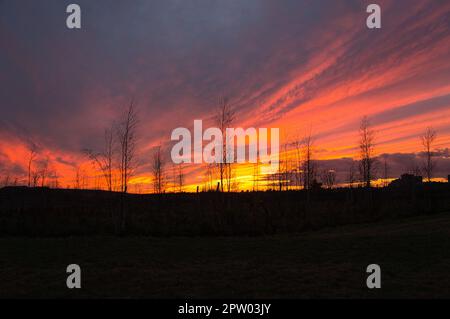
(64, 86)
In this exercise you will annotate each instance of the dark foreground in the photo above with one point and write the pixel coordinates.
(42, 212)
(414, 255)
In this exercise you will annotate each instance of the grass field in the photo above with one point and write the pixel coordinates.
(414, 255)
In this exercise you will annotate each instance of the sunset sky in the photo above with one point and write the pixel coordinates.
(296, 65)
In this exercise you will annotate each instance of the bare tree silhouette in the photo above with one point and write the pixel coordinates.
(297, 144)
(385, 171)
(224, 117)
(229, 174)
(309, 169)
(367, 150)
(180, 178)
(104, 159)
(127, 140)
(44, 171)
(35, 178)
(209, 177)
(32, 156)
(428, 139)
(285, 168)
(126, 132)
(158, 165)
(55, 179)
(329, 178)
(80, 177)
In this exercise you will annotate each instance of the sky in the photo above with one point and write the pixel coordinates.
(301, 66)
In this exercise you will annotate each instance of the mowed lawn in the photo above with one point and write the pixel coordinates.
(414, 255)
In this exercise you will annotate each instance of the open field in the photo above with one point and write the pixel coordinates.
(414, 255)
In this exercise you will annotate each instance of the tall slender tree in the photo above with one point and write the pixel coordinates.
(297, 144)
(44, 171)
(180, 178)
(127, 138)
(385, 171)
(428, 139)
(158, 166)
(367, 151)
(104, 160)
(224, 118)
(32, 156)
(309, 169)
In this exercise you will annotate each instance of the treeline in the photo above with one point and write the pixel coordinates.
(117, 162)
(48, 212)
